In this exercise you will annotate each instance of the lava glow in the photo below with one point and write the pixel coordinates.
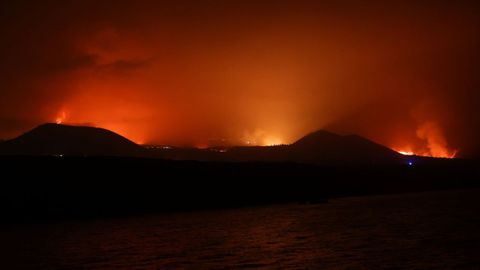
(406, 153)
(263, 137)
(272, 141)
(439, 153)
(255, 73)
(61, 118)
(430, 142)
(431, 133)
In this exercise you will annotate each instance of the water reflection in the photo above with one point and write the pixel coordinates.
(425, 230)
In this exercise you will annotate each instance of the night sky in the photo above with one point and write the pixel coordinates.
(199, 73)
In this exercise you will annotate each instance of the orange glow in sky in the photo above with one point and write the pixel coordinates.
(248, 72)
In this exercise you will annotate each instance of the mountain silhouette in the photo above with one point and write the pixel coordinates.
(321, 147)
(320, 137)
(55, 139)
(326, 145)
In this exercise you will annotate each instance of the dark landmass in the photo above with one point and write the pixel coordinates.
(36, 188)
(61, 172)
(320, 147)
(52, 139)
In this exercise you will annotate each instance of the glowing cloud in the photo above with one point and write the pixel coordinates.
(284, 67)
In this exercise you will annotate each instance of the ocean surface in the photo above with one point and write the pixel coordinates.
(431, 230)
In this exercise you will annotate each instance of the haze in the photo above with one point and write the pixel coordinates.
(204, 73)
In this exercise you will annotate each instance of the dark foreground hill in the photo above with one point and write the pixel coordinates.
(54, 139)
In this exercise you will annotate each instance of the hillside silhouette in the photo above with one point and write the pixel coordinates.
(351, 147)
(321, 147)
(55, 139)
(114, 176)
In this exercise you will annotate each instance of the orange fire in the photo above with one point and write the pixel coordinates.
(272, 141)
(445, 153)
(433, 143)
(406, 153)
(61, 118)
(261, 138)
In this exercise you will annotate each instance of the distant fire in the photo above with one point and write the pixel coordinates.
(445, 154)
(434, 143)
(261, 138)
(201, 145)
(406, 153)
(61, 118)
(272, 141)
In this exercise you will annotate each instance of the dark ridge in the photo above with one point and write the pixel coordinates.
(322, 147)
(55, 139)
(318, 138)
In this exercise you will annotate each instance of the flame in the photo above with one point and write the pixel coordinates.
(445, 154)
(435, 143)
(261, 137)
(61, 118)
(272, 141)
(406, 153)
